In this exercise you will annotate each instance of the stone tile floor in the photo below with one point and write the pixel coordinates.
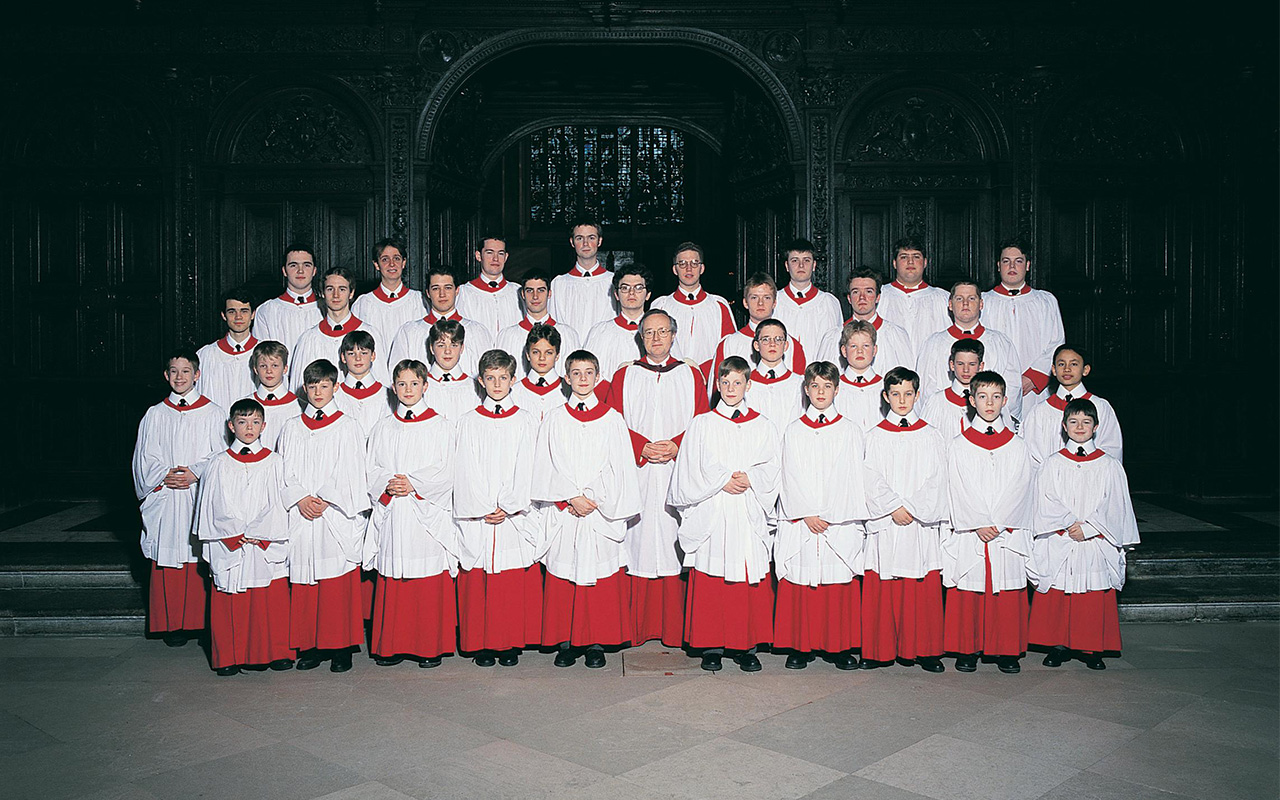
(1190, 711)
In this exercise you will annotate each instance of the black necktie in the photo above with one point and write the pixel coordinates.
(1067, 397)
(239, 348)
(319, 416)
(1014, 292)
(582, 406)
(692, 296)
(183, 402)
(902, 423)
(301, 300)
(337, 327)
(860, 379)
(271, 396)
(966, 395)
(991, 431)
(822, 418)
(542, 381)
(359, 384)
(736, 414)
(244, 451)
(497, 409)
(493, 284)
(771, 375)
(446, 377)
(1079, 451)
(408, 414)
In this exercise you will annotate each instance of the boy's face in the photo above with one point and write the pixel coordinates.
(337, 294)
(586, 241)
(733, 386)
(859, 351)
(320, 393)
(988, 401)
(688, 268)
(446, 353)
(299, 270)
(492, 257)
(181, 375)
(632, 293)
(1013, 266)
(965, 305)
(497, 383)
(901, 398)
(863, 296)
(909, 266)
(269, 370)
(358, 360)
(535, 294)
(656, 335)
(542, 356)
(408, 387)
(238, 316)
(821, 393)
(964, 366)
(759, 301)
(582, 378)
(246, 427)
(441, 293)
(1079, 427)
(771, 343)
(800, 264)
(1069, 368)
(390, 265)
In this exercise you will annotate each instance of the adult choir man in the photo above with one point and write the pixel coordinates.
(807, 311)
(535, 292)
(490, 299)
(702, 319)
(283, 319)
(760, 297)
(392, 302)
(910, 302)
(614, 340)
(582, 297)
(325, 339)
(225, 373)
(1030, 317)
(893, 345)
(410, 341)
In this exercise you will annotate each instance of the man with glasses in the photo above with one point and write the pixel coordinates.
(535, 292)
(703, 319)
(614, 340)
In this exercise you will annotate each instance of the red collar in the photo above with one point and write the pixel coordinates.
(988, 441)
(756, 377)
(286, 398)
(747, 417)
(288, 298)
(1094, 456)
(352, 324)
(432, 319)
(252, 458)
(460, 379)
(245, 349)
(528, 326)
(362, 394)
(578, 273)
(872, 382)
(813, 423)
(428, 414)
(809, 294)
(683, 297)
(1023, 292)
(484, 412)
(956, 333)
(541, 390)
(622, 322)
(955, 399)
(1057, 402)
(316, 424)
(200, 402)
(483, 285)
(666, 366)
(382, 295)
(590, 415)
(889, 426)
(895, 284)
(747, 330)
(875, 323)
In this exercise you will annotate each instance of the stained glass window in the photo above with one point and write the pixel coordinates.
(626, 175)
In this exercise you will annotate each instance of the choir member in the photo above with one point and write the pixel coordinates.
(225, 374)
(893, 345)
(948, 409)
(410, 341)
(270, 361)
(808, 312)
(908, 301)
(760, 297)
(392, 302)
(1029, 317)
(583, 296)
(295, 311)
(703, 319)
(776, 391)
(614, 340)
(490, 299)
(1042, 428)
(541, 389)
(450, 390)
(861, 385)
(535, 293)
(361, 395)
(323, 341)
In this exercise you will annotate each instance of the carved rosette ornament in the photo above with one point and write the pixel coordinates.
(305, 128)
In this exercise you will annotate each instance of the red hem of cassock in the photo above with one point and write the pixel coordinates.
(1088, 621)
(251, 627)
(989, 622)
(326, 614)
(737, 616)
(415, 616)
(901, 617)
(366, 593)
(178, 598)
(586, 615)
(499, 610)
(657, 609)
(825, 618)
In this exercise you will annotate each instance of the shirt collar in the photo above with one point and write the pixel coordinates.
(279, 390)
(590, 401)
(896, 419)
(1074, 447)
(982, 425)
(508, 403)
(329, 409)
(294, 297)
(726, 410)
(192, 395)
(868, 375)
(419, 408)
(1076, 393)
(455, 374)
(334, 322)
(366, 380)
(254, 447)
(552, 375)
(829, 413)
(596, 269)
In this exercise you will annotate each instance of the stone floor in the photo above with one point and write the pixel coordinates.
(1190, 711)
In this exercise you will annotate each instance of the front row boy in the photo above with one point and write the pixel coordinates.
(1084, 523)
(244, 529)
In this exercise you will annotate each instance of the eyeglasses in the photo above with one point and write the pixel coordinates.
(772, 339)
(636, 288)
(688, 263)
(392, 259)
(657, 333)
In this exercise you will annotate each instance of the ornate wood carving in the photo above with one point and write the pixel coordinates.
(914, 126)
(398, 165)
(1113, 129)
(305, 128)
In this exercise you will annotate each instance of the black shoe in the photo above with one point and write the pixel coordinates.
(485, 659)
(281, 665)
(748, 662)
(796, 661)
(931, 664)
(1008, 665)
(967, 663)
(846, 660)
(566, 658)
(867, 663)
(225, 672)
(1056, 656)
(175, 638)
(310, 659)
(341, 662)
(509, 658)
(711, 662)
(594, 659)
(1093, 660)
(429, 663)
(387, 661)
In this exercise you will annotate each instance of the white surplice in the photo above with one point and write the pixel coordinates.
(240, 498)
(906, 468)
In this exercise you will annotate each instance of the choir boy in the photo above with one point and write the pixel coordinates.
(821, 508)
(410, 341)
(412, 542)
(907, 501)
(893, 345)
(541, 389)
(583, 296)
(759, 297)
(1030, 317)
(807, 311)
(657, 396)
(725, 488)
(244, 528)
(1084, 523)
(500, 535)
(175, 440)
(535, 293)
(614, 340)
(490, 299)
(586, 484)
(861, 386)
(948, 409)
(324, 341)
(703, 319)
(989, 481)
(1042, 428)
(908, 300)
(225, 375)
(392, 302)
(450, 390)
(285, 318)
(326, 494)
(776, 391)
(361, 395)
(270, 366)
